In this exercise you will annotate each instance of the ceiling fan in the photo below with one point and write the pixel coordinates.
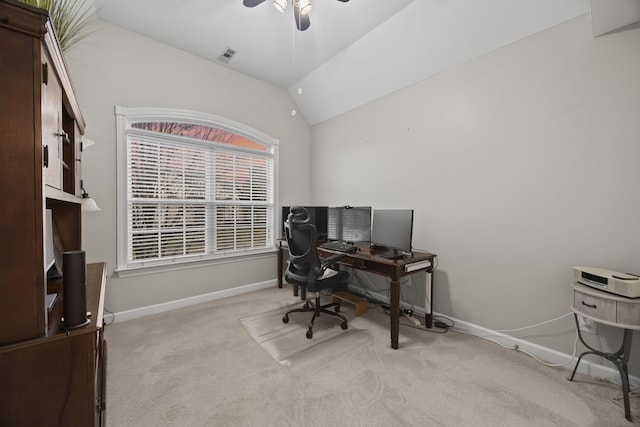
(301, 9)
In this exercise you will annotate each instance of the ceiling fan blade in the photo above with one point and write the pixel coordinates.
(252, 3)
(343, 1)
(302, 21)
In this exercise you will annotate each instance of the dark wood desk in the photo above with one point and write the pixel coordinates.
(367, 260)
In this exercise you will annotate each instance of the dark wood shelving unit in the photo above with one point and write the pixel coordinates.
(48, 376)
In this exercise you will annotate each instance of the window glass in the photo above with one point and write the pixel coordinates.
(205, 133)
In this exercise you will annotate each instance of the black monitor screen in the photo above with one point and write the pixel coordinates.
(392, 228)
(317, 215)
(350, 224)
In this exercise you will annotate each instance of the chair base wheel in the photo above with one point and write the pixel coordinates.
(317, 309)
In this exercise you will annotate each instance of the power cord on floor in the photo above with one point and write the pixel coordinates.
(387, 310)
(113, 317)
(443, 322)
(553, 365)
(372, 302)
(517, 347)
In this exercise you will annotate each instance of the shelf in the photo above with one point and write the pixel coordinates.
(55, 194)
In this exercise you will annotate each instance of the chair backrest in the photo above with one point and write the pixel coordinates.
(304, 264)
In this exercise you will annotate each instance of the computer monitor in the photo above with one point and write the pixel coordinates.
(350, 223)
(392, 229)
(318, 216)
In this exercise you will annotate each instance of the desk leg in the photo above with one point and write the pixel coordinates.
(428, 301)
(395, 313)
(280, 266)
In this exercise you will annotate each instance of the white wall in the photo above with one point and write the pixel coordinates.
(118, 67)
(519, 164)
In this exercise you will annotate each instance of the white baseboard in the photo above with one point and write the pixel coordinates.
(136, 313)
(587, 367)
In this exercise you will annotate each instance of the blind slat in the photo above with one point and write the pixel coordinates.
(174, 200)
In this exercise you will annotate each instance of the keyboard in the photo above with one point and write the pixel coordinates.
(339, 246)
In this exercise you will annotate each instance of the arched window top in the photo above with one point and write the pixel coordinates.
(202, 132)
(197, 125)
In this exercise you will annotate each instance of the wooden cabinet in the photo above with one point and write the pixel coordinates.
(48, 376)
(40, 131)
(22, 284)
(59, 379)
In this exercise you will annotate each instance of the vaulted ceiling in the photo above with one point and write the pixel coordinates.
(354, 51)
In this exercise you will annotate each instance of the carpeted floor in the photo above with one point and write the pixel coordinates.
(200, 366)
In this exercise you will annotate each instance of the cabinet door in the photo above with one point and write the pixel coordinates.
(21, 253)
(77, 142)
(51, 124)
(71, 155)
(50, 382)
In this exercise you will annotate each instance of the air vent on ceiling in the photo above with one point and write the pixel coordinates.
(226, 55)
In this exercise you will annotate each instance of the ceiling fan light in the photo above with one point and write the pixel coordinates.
(281, 5)
(305, 6)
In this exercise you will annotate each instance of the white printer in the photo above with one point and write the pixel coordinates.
(627, 285)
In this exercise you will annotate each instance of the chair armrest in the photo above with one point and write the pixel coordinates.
(333, 259)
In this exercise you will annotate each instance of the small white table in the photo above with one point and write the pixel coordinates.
(613, 310)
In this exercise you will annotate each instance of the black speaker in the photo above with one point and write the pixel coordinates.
(74, 289)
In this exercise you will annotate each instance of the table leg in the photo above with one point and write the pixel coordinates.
(428, 298)
(620, 358)
(395, 313)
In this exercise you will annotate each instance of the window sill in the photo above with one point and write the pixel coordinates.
(125, 272)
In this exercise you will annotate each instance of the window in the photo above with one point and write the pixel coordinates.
(191, 187)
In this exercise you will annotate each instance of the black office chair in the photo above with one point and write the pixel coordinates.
(306, 270)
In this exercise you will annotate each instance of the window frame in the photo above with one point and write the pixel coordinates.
(125, 117)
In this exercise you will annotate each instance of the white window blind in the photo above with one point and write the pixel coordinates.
(193, 199)
(244, 201)
(167, 200)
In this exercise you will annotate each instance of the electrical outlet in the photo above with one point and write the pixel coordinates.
(587, 325)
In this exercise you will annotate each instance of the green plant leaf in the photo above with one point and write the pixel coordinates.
(71, 19)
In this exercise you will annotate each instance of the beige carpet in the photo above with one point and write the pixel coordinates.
(288, 344)
(198, 366)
